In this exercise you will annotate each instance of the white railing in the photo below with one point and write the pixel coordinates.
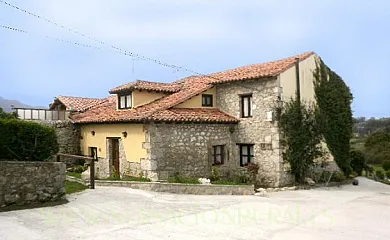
(41, 114)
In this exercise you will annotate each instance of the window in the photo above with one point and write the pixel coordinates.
(207, 100)
(218, 155)
(124, 101)
(246, 154)
(246, 106)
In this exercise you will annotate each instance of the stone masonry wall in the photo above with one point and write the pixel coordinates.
(68, 137)
(185, 149)
(256, 130)
(23, 183)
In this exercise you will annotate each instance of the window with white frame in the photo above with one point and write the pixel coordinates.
(124, 101)
(218, 154)
(246, 154)
(246, 106)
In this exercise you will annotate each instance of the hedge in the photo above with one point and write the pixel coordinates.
(26, 141)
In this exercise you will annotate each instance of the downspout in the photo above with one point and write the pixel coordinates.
(298, 80)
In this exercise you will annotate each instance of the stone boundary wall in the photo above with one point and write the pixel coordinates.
(180, 188)
(68, 138)
(23, 183)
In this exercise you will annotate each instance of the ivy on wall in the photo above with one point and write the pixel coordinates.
(301, 137)
(334, 100)
(305, 126)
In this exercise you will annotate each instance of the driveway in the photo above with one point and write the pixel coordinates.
(349, 212)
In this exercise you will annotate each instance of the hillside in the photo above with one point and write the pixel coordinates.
(7, 104)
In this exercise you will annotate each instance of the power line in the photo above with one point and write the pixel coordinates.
(49, 37)
(134, 55)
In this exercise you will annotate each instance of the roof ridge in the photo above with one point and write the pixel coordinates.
(80, 97)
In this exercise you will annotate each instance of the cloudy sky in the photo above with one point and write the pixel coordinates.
(352, 37)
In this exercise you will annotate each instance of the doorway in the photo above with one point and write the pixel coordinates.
(114, 152)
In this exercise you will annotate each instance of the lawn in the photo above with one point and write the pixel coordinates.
(128, 178)
(74, 174)
(73, 187)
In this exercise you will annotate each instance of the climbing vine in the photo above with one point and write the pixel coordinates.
(305, 126)
(301, 137)
(334, 100)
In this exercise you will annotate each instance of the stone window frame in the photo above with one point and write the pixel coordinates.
(207, 100)
(246, 97)
(250, 157)
(214, 154)
(127, 101)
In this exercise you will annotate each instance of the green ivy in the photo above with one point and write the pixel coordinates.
(301, 137)
(334, 100)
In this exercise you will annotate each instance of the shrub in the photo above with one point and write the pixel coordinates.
(79, 169)
(215, 174)
(380, 174)
(358, 161)
(26, 141)
(338, 177)
(388, 174)
(136, 179)
(253, 169)
(386, 165)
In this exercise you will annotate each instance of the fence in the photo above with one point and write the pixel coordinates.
(41, 114)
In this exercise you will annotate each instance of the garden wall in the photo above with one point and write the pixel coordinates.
(180, 188)
(68, 138)
(24, 183)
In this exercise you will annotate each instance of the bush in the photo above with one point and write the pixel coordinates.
(26, 141)
(380, 174)
(358, 161)
(136, 179)
(338, 177)
(79, 169)
(386, 165)
(388, 174)
(215, 174)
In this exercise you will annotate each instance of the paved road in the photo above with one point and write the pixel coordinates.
(350, 212)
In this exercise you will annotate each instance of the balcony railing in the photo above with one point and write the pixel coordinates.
(41, 114)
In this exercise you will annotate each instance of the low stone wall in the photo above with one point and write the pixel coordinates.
(179, 188)
(68, 138)
(24, 183)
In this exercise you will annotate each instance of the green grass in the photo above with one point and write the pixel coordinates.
(73, 187)
(129, 178)
(74, 174)
(228, 182)
(183, 180)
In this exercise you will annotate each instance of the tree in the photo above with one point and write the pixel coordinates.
(5, 115)
(377, 147)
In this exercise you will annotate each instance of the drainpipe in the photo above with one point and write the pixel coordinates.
(297, 79)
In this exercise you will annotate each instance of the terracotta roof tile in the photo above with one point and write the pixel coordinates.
(79, 104)
(193, 115)
(182, 90)
(262, 70)
(147, 86)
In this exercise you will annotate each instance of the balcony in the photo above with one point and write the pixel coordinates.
(41, 114)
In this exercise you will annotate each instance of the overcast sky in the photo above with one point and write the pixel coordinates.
(351, 36)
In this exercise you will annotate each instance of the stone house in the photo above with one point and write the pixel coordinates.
(224, 119)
